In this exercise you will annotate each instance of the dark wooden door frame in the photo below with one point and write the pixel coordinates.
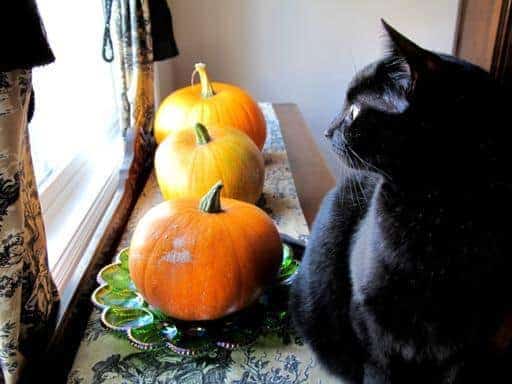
(502, 59)
(484, 36)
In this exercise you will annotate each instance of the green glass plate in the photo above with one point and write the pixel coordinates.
(124, 310)
(106, 296)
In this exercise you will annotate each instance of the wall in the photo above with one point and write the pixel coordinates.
(302, 51)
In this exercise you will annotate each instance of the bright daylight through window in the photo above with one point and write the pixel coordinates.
(74, 132)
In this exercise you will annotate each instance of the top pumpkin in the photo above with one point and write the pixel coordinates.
(210, 103)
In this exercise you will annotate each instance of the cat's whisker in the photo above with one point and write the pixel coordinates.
(355, 195)
(344, 173)
(353, 61)
(362, 189)
(362, 164)
(370, 166)
(350, 183)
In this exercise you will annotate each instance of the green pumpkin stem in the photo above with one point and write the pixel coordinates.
(202, 135)
(206, 86)
(210, 203)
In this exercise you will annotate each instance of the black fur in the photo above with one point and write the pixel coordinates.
(407, 274)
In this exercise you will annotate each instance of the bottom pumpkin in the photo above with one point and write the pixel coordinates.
(202, 260)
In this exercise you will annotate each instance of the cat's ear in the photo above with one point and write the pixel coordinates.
(419, 60)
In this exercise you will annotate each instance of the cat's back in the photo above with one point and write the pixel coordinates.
(427, 279)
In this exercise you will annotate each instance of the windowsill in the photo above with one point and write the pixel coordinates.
(73, 204)
(75, 275)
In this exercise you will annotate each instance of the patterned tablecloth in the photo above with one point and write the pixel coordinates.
(274, 359)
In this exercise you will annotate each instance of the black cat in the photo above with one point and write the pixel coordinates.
(407, 275)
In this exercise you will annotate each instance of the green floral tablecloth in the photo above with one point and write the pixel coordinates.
(104, 357)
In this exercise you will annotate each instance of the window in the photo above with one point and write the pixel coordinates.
(75, 140)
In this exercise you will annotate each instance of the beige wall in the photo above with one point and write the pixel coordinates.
(302, 51)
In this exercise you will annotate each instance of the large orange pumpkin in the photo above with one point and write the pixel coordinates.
(210, 103)
(204, 259)
(191, 160)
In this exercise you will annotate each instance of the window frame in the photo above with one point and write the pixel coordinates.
(83, 168)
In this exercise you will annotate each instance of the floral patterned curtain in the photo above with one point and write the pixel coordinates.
(28, 297)
(129, 46)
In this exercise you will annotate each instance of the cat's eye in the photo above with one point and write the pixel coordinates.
(353, 111)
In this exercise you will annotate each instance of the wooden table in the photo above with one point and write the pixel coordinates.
(310, 173)
(311, 177)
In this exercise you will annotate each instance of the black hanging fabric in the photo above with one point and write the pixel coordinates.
(24, 43)
(164, 44)
(162, 34)
(27, 46)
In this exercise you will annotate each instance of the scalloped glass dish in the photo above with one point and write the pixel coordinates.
(124, 310)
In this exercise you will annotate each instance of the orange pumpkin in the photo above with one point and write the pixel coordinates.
(190, 161)
(204, 259)
(210, 103)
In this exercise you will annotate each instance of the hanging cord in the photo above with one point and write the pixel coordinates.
(107, 49)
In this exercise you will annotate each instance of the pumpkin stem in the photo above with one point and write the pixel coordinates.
(210, 203)
(206, 86)
(202, 135)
